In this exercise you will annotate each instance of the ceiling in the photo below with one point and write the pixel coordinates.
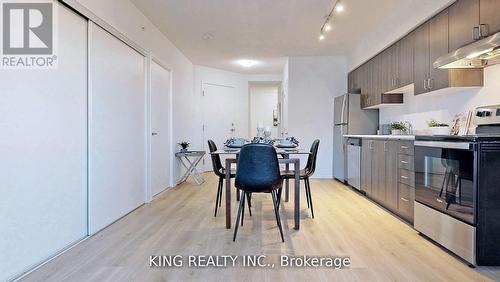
(216, 33)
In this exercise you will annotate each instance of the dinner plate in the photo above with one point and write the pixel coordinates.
(234, 146)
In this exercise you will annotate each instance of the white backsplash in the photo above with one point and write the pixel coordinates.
(444, 105)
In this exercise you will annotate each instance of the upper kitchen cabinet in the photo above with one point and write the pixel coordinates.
(431, 42)
(489, 17)
(421, 63)
(404, 51)
(354, 81)
(464, 23)
(438, 46)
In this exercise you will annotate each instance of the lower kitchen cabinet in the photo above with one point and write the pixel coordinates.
(379, 169)
(405, 201)
(387, 175)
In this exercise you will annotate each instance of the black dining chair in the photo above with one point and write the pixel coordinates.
(258, 172)
(306, 173)
(220, 171)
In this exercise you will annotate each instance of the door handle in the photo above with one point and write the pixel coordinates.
(484, 30)
(429, 83)
(404, 177)
(439, 200)
(404, 199)
(404, 162)
(425, 84)
(476, 33)
(154, 133)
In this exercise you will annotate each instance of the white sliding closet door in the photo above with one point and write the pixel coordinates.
(160, 128)
(118, 129)
(43, 154)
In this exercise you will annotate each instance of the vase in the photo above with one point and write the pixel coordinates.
(440, 130)
(184, 150)
(397, 132)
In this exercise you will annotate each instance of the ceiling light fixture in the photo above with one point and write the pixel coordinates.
(247, 63)
(337, 7)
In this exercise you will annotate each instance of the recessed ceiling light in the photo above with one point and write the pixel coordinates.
(247, 63)
(339, 7)
(321, 37)
(327, 27)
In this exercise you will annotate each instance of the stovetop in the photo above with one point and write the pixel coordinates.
(488, 137)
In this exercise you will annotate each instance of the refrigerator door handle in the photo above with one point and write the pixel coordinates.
(342, 121)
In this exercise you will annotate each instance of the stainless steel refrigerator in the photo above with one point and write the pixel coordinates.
(349, 118)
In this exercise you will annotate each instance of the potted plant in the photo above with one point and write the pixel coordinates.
(184, 145)
(437, 128)
(398, 128)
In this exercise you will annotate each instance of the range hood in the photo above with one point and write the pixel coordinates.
(480, 54)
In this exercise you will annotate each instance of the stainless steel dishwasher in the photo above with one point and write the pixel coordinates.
(354, 162)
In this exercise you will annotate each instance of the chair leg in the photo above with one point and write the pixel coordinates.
(308, 200)
(280, 190)
(308, 191)
(243, 195)
(249, 200)
(221, 185)
(217, 203)
(277, 214)
(238, 217)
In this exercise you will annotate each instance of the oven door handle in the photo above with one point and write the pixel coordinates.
(444, 145)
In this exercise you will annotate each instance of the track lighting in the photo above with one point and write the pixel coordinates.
(337, 7)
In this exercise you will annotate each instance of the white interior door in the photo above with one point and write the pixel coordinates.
(118, 129)
(263, 104)
(43, 153)
(161, 146)
(218, 115)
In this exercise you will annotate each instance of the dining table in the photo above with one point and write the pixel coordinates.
(285, 153)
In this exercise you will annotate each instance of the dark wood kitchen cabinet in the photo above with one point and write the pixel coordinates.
(421, 64)
(438, 46)
(379, 172)
(383, 163)
(366, 166)
(405, 61)
(430, 43)
(354, 81)
(391, 175)
(489, 15)
(463, 18)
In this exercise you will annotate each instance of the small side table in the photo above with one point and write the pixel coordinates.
(190, 160)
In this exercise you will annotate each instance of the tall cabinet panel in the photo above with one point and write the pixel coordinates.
(464, 16)
(118, 130)
(405, 60)
(422, 61)
(438, 46)
(490, 15)
(43, 152)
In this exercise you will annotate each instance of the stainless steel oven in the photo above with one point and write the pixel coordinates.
(444, 178)
(445, 193)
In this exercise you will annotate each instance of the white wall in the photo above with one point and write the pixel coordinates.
(263, 102)
(444, 106)
(240, 106)
(313, 82)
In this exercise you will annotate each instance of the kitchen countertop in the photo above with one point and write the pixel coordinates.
(384, 137)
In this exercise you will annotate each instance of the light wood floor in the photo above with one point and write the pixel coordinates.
(181, 221)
